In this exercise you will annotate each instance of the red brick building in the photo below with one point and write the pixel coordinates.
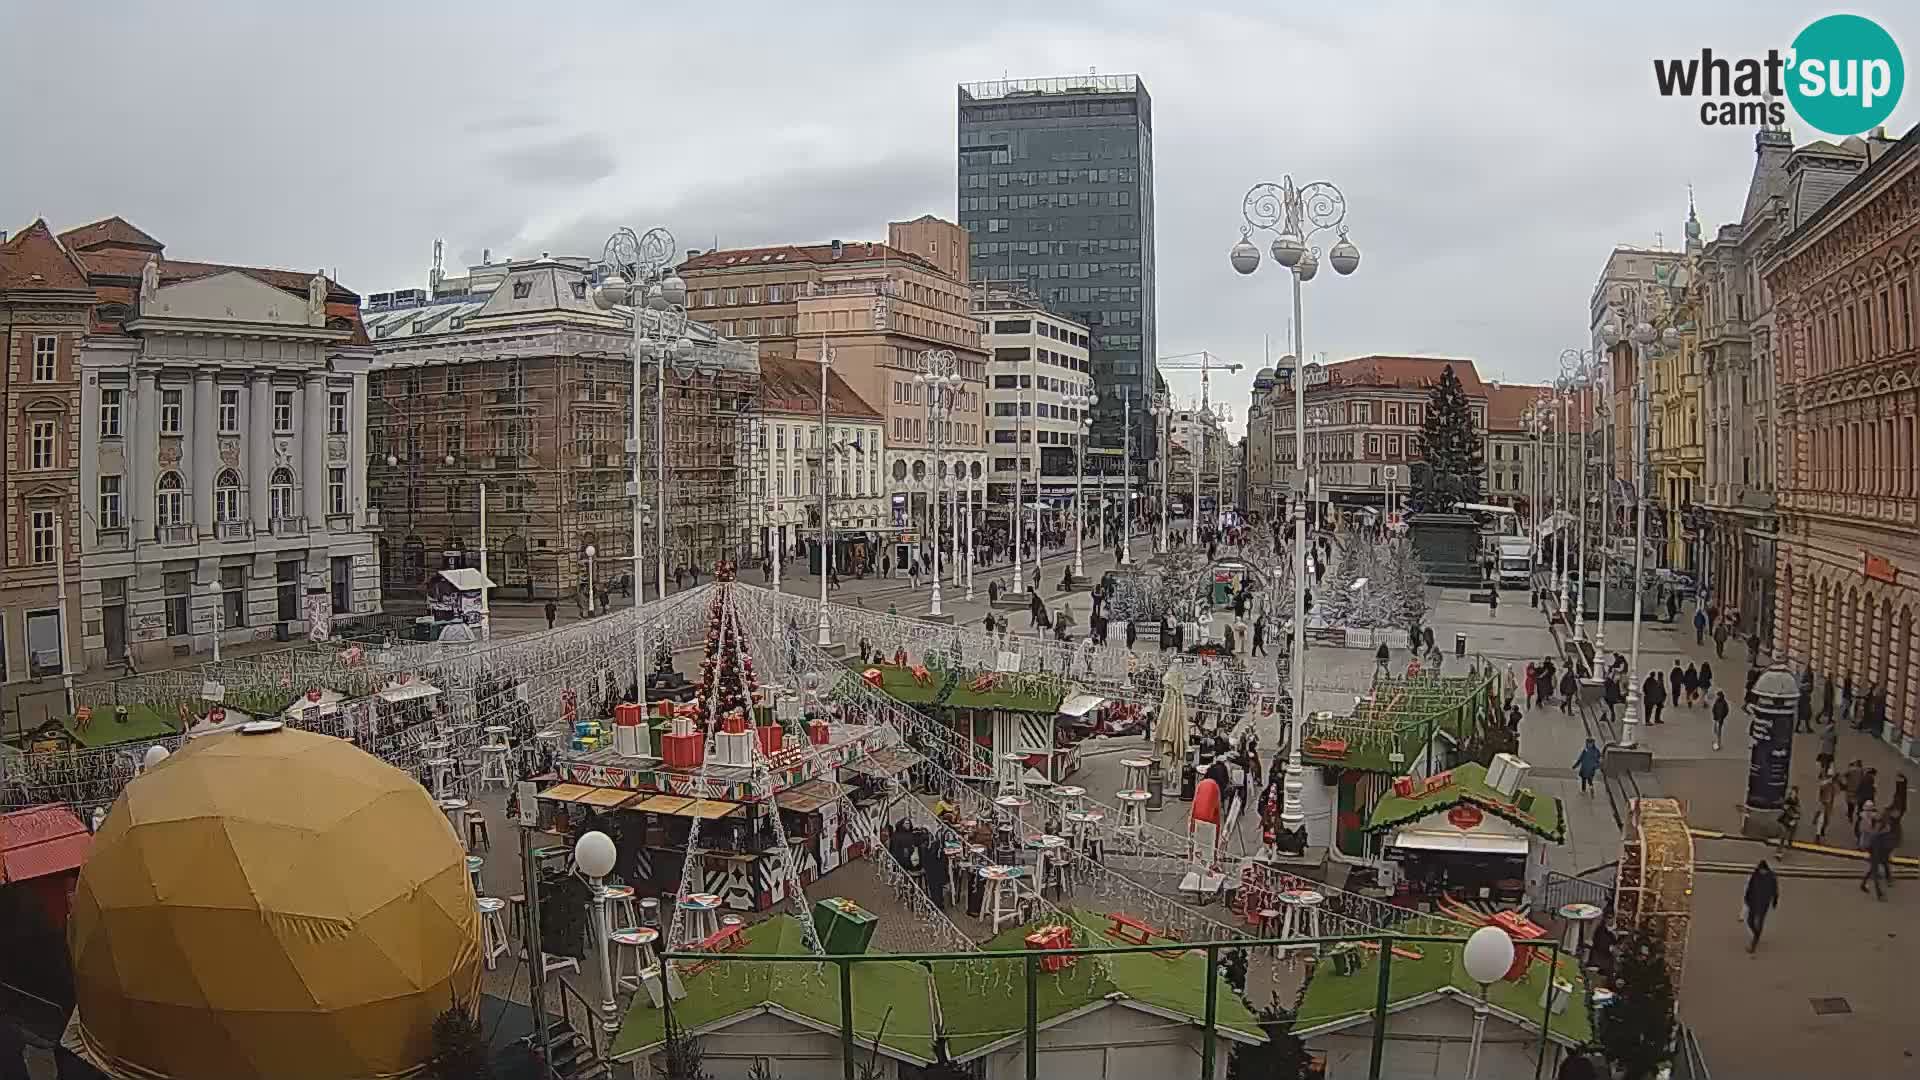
(1846, 283)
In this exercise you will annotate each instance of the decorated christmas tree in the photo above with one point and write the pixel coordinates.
(727, 681)
(1450, 455)
(1636, 1030)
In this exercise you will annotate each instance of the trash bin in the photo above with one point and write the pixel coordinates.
(1156, 786)
(1460, 645)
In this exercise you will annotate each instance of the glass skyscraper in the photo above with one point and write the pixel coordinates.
(1056, 194)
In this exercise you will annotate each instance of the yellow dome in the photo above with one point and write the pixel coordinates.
(277, 905)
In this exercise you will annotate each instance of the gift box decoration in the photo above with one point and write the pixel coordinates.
(1052, 937)
(873, 678)
(734, 723)
(733, 748)
(626, 714)
(818, 732)
(683, 751)
(773, 738)
(1403, 786)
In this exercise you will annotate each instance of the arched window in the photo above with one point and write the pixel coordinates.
(170, 507)
(226, 496)
(280, 486)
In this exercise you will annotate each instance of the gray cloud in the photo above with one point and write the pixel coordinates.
(575, 159)
(1491, 153)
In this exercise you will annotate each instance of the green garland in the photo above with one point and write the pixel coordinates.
(1557, 835)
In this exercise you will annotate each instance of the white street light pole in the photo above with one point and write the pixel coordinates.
(595, 855)
(1295, 215)
(486, 583)
(1082, 404)
(1605, 408)
(1582, 369)
(592, 590)
(967, 475)
(1196, 455)
(1126, 478)
(824, 636)
(1642, 336)
(1163, 409)
(940, 375)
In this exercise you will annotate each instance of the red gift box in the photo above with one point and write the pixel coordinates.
(773, 738)
(873, 677)
(1052, 937)
(626, 714)
(683, 751)
(734, 723)
(818, 732)
(1403, 786)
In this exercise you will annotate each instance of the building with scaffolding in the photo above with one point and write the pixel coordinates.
(512, 382)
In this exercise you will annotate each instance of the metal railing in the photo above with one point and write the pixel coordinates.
(856, 1047)
(1574, 889)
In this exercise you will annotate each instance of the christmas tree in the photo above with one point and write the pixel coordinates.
(1451, 458)
(727, 682)
(1637, 1029)
(1282, 1057)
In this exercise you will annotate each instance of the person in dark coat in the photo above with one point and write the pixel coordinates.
(1587, 765)
(1036, 609)
(1720, 710)
(1676, 685)
(933, 859)
(1569, 689)
(1690, 683)
(1762, 896)
(1132, 633)
(1259, 636)
(1226, 638)
(1544, 682)
(1653, 693)
(1879, 844)
(1706, 679)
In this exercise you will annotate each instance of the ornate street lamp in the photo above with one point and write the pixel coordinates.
(1295, 215)
(940, 374)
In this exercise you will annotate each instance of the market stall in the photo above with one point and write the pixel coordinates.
(1468, 833)
(1005, 713)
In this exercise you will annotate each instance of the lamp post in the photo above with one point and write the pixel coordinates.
(1642, 336)
(1126, 477)
(1162, 410)
(636, 272)
(1196, 455)
(970, 472)
(592, 591)
(1295, 215)
(1581, 367)
(1487, 956)
(594, 854)
(939, 373)
(1603, 375)
(1082, 405)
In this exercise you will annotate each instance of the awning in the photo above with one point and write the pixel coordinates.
(681, 806)
(1080, 705)
(408, 692)
(1460, 842)
(890, 761)
(467, 579)
(810, 796)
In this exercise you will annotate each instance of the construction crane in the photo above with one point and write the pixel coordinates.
(1204, 362)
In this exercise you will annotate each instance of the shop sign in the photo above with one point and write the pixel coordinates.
(1879, 569)
(1466, 816)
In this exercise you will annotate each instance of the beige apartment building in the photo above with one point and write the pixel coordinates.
(876, 308)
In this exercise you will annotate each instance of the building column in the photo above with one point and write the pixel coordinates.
(313, 450)
(357, 451)
(204, 422)
(143, 412)
(260, 451)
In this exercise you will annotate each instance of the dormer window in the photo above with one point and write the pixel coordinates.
(522, 290)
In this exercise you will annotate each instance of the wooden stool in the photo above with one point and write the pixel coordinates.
(1050, 864)
(1133, 813)
(442, 772)
(474, 863)
(650, 912)
(456, 811)
(550, 963)
(1013, 775)
(620, 910)
(517, 920)
(477, 833)
(493, 767)
(632, 955)
(700, 916)
(1269, 924)
(1072, 799)
(1084, 828)
(1003, 895)
(1301, 919)
(493, 929)
(1136, 778)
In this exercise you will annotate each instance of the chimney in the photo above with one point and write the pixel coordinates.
(837, 248)
(691, 252)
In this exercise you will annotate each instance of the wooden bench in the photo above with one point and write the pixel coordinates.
(727, 939)
(1334, 635)
(1130, 930)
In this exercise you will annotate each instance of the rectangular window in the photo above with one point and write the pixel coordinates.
(229, 412)
(337, 412)
(773, 294)
(456, 380)
(233, 596)
(41, 445)
(753, 294)
(286, 590)
(336, 491)
(110, 506)
(110, 413)
(170, 408)
(341, 579)
(46, 354)
(43, 643)
(283, 410)
(41, 538)
(732, 297)
(177, 589)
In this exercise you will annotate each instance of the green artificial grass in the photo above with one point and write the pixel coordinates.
(1330, 997)
(1469, 785)
(1457, 702)
(898, 683)
(973, 1017)
(144, 722)
(892, 992)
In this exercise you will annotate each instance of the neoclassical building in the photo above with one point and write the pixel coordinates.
(1845, 290)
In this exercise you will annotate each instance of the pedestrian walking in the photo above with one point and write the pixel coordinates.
(1381, 658)
(1846, 699)
(1829, 742)
(1587, 764)
(1720, 641)
(1569, 689)
(1654, 693)
(1546, 682)
(1789, 819)
(1132, 632)
(1493, 600)
(1850, 783)
(1611, 696)
(1878, 841)
(1699, 626)
(993, 592)
(1509, 683)
(1037, 611)
(1259, 636)
(1690, 682)
(1706, 679)
(1863, 791)
(1532, 683)
(1828, 790)
(1720, 710)
(1761, 897)
(1826, 701)
(551, 612)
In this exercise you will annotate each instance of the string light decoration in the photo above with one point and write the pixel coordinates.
(1653, 887)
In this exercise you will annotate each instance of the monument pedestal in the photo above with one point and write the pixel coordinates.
(1617, 760)
(1758, 824)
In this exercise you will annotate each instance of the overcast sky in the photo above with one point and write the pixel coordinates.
(1491, 154)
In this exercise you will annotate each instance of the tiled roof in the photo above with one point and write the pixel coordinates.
(110, 232)
(41, 840)
(793, 386)
(1507, 401)
(33, 259)
(1406, 372)
(799, 254)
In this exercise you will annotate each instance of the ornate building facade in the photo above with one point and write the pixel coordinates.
(1845, 285)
